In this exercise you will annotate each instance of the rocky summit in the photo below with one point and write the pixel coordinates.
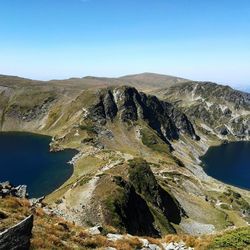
(138, 182)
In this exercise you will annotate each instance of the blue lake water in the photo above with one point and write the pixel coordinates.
(26, 159)
(229, 163)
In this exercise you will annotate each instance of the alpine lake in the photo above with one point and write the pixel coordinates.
(229, 163)
(26, 159)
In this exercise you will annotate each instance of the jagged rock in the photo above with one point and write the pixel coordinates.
(7, 189)
(145, 183)
(17, 237)
(37, 202)
(214, 105)
(21, 191)
(5, 184)
(224, 131)
(130, 105)
(32, 113)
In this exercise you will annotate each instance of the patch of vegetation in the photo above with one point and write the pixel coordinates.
(128, 211)
(236, 200)
(225, 206)
(89, 128)
(142, 178)
(88, 140)
(84, 180)
(13, 210)
(145, 183)
(236, 239)
(113, 202)
(151, 140)
(52, 232)
(161, 222)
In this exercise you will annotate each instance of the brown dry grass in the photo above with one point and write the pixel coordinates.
(128, 243)
(191, 241)
(15, 209)
(52, 232)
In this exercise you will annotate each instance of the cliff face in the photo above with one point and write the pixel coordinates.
(128, 105)
(219, 110)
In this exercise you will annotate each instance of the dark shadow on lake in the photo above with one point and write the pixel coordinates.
(229, 163)
(26, 159)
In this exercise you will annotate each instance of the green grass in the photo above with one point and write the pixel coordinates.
(115, 201)
(88, 128)
(151, 140)
(142, 178)
(161, 222)
(236, 239)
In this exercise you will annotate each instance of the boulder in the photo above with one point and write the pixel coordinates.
(114, 237)
(153, 247)
(95, 230)
(21, 191)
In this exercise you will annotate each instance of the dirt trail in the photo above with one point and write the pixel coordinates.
(77, 199)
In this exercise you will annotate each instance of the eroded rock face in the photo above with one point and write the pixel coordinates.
(17, 237)
(134, 212)
(28, 114)
(129, 105)
(145, 183)
(214, 105)
(135, 203)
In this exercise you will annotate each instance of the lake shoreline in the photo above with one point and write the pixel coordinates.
(211, 173)
(36, 166)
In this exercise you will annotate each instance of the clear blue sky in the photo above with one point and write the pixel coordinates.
(196, 39)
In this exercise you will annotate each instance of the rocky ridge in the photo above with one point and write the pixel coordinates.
(217, 110)
(170, 131)
(130, 105)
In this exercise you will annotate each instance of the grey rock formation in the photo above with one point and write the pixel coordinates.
(96, 230)
(7, 189)
(17, 237)
(21, 191)
(129, 105)
(214, 105)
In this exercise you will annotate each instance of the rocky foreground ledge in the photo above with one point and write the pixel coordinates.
(18, 236)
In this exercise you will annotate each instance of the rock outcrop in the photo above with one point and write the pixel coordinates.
(145, 183)
(7, 189)
(17, 237)
(136, 204)
(133, 211)
(129, 105)
(225, 112)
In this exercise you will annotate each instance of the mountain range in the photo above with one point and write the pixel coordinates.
(139, 140)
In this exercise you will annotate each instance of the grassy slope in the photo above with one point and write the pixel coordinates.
(66, 112)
